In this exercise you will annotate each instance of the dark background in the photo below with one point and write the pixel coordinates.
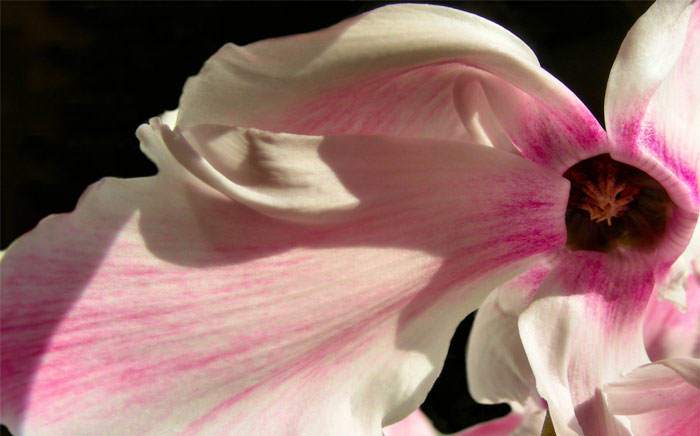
(78, 78)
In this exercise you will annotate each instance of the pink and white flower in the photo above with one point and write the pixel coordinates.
(578, 316)
(656, 398)
(329, 206)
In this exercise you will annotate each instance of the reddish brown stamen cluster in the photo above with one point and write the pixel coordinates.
(613, 204)
(608, 196)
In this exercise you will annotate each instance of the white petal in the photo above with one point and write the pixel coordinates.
(497, 365)
(401, 70)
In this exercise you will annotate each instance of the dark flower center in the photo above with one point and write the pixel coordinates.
(612, 204)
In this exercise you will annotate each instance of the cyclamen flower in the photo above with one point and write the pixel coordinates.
(329, 206)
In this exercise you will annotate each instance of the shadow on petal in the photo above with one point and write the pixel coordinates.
(63, 259)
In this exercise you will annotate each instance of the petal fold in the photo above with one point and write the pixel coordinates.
(497, 365)
(317, 179)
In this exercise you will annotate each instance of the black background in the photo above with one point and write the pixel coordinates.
(78, 78)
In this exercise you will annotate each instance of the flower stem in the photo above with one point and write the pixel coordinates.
(548, 428)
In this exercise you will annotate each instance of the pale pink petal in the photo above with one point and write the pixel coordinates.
(659, 398)
(652, 102)
(686, 367)
(522, 421)
(415, 424)
(161, 305)
(670, 332)
(401, 70)
(495, 427)
(677, 281)
(584, 330)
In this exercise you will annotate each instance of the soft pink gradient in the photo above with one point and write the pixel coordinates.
(462, 102)
(658, 398)
(390, 55)
(652, 103)
(380, 105)
(668, 332)
(496, 427)
(554, 131)
(415, 424)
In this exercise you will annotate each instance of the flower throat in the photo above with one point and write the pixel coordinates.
(612, 204)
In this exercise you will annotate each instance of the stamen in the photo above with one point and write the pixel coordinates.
(612, 204)
(608, 198)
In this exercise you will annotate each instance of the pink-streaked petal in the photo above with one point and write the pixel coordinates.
(658, 398)
(670, 332)
(546, 123)
(401, 70)
(415, 424)
(524, 420)
(495, 427)
(161, 304)
(584, 330)
(520, 422)
(652, 102)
